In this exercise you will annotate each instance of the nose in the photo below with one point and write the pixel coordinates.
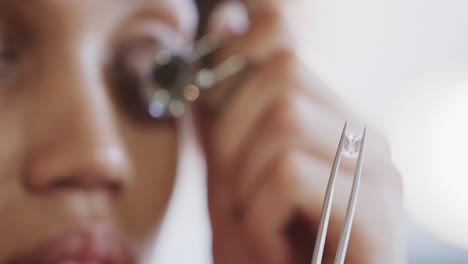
(84, 169)
(74, 140)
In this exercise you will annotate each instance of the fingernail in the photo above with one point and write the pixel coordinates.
(230, 18)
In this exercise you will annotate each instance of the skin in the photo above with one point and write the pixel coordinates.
(268, 173)
(66, 142)
(74, 154)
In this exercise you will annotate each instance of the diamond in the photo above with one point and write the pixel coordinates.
(191, 93)
(206, 78)
(163, 57)
(156, 109)
(352, 144)
(162, 96)
(177, 108)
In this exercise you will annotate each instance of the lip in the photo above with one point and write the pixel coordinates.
(97, 245)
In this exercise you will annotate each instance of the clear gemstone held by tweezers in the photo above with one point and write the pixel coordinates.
(352, 144)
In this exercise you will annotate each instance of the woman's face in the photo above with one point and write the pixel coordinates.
(85, 175)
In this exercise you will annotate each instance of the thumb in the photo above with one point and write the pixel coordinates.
(229, 19)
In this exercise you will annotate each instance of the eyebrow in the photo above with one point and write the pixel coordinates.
(29, 15)
(18, 12)
(15, 18)
(151, 10)
(16, 6)
(148, 12)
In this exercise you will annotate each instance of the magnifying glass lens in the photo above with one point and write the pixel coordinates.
(170, 77)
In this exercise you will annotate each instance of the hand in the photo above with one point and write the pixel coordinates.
(270, 146)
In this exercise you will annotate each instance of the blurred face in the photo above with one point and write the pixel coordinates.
(85, 174)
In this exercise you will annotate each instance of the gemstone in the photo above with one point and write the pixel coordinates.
(158, 104)
(156, 109)
(352, 144)
(206, 78)
(191, 93)
(162, 96)
(163, 57)
(177, 108)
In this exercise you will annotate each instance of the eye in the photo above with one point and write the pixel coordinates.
(11, 57)
(8, 58)
(18, 42)
(169, 79)
(151, 80)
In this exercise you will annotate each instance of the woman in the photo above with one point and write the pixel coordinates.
(85, 174)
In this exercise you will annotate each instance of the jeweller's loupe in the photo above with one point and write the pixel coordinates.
(169, 85)
(175, 81)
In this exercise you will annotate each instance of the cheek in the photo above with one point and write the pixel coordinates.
(12, 142)
(153, 153)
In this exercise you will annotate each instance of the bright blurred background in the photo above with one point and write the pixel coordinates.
(403, 65)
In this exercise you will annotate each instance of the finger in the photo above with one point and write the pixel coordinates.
(229, 19)
(268, 34)
(246, 106)
(301, 180)
(291, 122)
(230, 131)
(296, 187)
(253, 28)
(296, 121)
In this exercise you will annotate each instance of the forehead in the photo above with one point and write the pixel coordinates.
(181, 14)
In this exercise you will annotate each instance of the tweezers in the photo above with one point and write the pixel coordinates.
(327, 204)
